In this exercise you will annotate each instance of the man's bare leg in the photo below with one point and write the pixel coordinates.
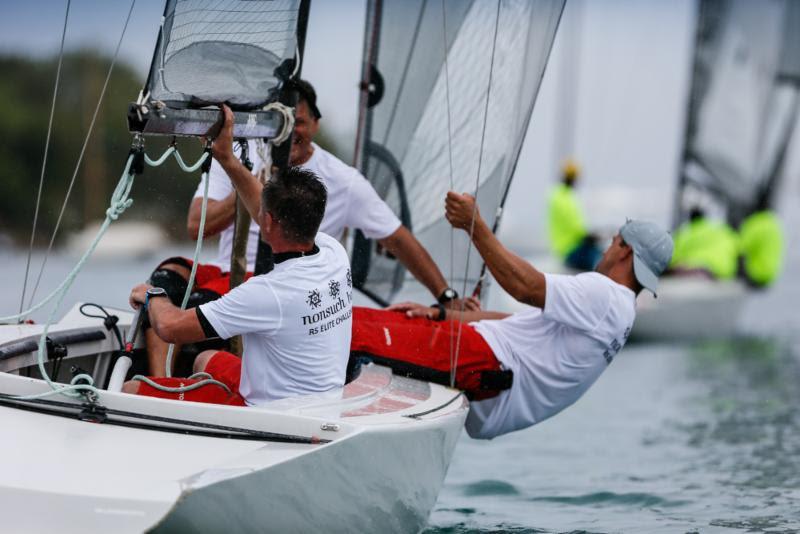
(202, 360)
(157, 354)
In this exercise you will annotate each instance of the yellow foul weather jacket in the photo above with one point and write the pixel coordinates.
(565, 221)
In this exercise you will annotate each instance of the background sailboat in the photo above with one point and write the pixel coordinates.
(735, 148)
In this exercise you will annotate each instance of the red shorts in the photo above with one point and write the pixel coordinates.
(422, 348)
(223, 366)
(208, 276)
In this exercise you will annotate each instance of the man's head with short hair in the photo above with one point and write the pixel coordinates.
(295, 198)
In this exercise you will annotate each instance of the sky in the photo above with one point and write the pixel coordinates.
(614, 93)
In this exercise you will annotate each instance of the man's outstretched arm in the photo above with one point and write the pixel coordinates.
(246, 184)
(219, 215)
(169, 322)
(410, 252)
(518, 277)
(413, 309)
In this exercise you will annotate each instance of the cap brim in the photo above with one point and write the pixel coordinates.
(644, 275)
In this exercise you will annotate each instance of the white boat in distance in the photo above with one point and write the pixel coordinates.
(370, 457)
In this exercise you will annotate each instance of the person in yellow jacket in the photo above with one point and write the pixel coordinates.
(569, 238)
(705, 245)
(762, 246)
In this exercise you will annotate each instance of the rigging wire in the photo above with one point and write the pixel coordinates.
(452, 185)
(44, 158)
(477, 181)
(83, 150)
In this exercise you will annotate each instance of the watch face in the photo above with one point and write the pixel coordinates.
(156, 291)
(447, 295)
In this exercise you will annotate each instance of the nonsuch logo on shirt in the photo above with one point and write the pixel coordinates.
(314, 301)
(615, 346)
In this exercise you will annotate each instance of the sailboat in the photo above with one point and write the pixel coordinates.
(370, 456)
(734, 148)
(735, 145)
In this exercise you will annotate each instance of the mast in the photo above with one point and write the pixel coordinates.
(679, 211)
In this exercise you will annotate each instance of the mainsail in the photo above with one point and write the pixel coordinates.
(743, 105)
(448, 91)
(237, 51)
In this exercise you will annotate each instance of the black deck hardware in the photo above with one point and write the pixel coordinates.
(31, 344)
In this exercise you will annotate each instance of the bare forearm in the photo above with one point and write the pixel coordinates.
(405, 247)
(172, 324)
(219, 216)
(470, 316)
(519, 278)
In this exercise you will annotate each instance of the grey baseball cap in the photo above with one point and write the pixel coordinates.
(652, 250)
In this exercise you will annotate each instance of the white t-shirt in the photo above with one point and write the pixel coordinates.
(295, 324)
(352, 203)
(555, 353)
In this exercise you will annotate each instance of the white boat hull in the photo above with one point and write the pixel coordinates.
(390, 443)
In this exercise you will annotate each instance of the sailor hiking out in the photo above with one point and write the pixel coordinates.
(556, 349)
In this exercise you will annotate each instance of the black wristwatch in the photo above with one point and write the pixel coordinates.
(442, 315)
(447, 295)
(152, 293)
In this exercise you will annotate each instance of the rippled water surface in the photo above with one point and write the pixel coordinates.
(696, 438)
(676, 437)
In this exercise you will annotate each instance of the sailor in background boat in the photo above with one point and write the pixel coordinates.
(761, 245)
(295, 321)
(556, 349)
(570, 239)
(352, 203)
(706, 247)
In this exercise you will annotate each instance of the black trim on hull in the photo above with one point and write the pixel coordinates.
(55, 408)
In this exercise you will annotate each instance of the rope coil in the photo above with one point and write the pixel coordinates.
(287, 114)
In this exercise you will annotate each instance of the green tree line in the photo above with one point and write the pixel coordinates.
(161, 194)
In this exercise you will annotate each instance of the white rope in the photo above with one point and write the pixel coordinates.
(119, 203)
(183, 389)
(155, 163)
(288, 121)
(172, 151)
(197, 248)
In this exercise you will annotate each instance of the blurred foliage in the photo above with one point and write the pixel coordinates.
(161, 194)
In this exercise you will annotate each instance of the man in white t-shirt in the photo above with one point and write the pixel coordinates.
(295, 321)
(352, 203)
(556, 349)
